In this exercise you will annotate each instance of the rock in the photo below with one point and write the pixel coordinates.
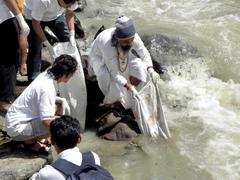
(168, 50)
(116, 127)
(15, 164)
(20, 166)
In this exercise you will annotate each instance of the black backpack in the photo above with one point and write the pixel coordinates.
(87, 171)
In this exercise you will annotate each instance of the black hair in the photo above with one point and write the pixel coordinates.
(114, 40)
(69, 1)
(63, 65)
(65, 131)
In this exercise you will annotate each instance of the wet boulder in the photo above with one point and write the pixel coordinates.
(116, 127)
(168, 50)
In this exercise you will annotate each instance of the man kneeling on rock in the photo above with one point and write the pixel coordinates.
(29, 117)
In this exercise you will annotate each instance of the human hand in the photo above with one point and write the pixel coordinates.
(50, 50)
(23, 25)
(72, 45)
(65, 106)
(134, 92)
(153, 74)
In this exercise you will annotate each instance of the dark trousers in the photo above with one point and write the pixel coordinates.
(9, 58)
(59, 28)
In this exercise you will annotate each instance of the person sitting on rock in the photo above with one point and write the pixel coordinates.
(30, 114)
(66, 133)
(120, 62)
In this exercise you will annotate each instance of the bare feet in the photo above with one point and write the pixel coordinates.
(36, 148)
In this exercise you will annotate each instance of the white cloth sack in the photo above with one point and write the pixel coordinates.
(75, 89)
(147, 109)
(114, 92)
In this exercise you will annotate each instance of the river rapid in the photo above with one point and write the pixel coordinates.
(200, 89)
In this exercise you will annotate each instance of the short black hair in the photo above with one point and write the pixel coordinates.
(63, 65)
(69, 1)
(65, 131)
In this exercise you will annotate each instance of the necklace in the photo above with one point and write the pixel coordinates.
(122, 59)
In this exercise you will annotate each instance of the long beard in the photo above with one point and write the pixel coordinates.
(122, 54)
(125, 49)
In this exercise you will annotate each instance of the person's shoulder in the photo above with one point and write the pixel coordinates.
(137, 37)
(44, 81)
(97, 158)
(104, 38)
(107, 33)
(48, 172)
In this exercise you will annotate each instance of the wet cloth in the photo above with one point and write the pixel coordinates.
(36, 101)
(135, 68)
(148, 112)
(73, 155)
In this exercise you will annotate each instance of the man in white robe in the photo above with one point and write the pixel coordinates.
(120, 62)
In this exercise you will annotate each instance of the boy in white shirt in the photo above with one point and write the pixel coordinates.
(66, 133)
(29, 116)
(58, 16)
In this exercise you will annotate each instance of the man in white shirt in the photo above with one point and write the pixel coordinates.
(66, 133)
(58, 16)
(12, 24)
(120, 62)
(29, 116)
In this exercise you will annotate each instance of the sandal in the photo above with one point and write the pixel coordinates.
(28, 148)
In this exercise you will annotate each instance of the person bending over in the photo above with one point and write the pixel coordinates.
(120, 62)
(29, 116)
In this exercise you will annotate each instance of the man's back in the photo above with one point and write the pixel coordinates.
(50, 173)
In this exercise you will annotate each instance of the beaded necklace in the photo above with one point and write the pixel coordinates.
(122, 58)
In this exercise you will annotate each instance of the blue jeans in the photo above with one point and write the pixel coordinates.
(59, 28)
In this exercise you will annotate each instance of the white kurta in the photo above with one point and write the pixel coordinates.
(103, 58)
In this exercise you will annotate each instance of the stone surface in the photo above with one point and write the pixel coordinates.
(15, 163)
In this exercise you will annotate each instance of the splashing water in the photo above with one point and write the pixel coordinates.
(201, 94)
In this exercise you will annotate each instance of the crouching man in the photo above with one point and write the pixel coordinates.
(120, 62)
(29, 117)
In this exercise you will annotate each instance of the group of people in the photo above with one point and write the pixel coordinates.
(117, 57)
(18, 31)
